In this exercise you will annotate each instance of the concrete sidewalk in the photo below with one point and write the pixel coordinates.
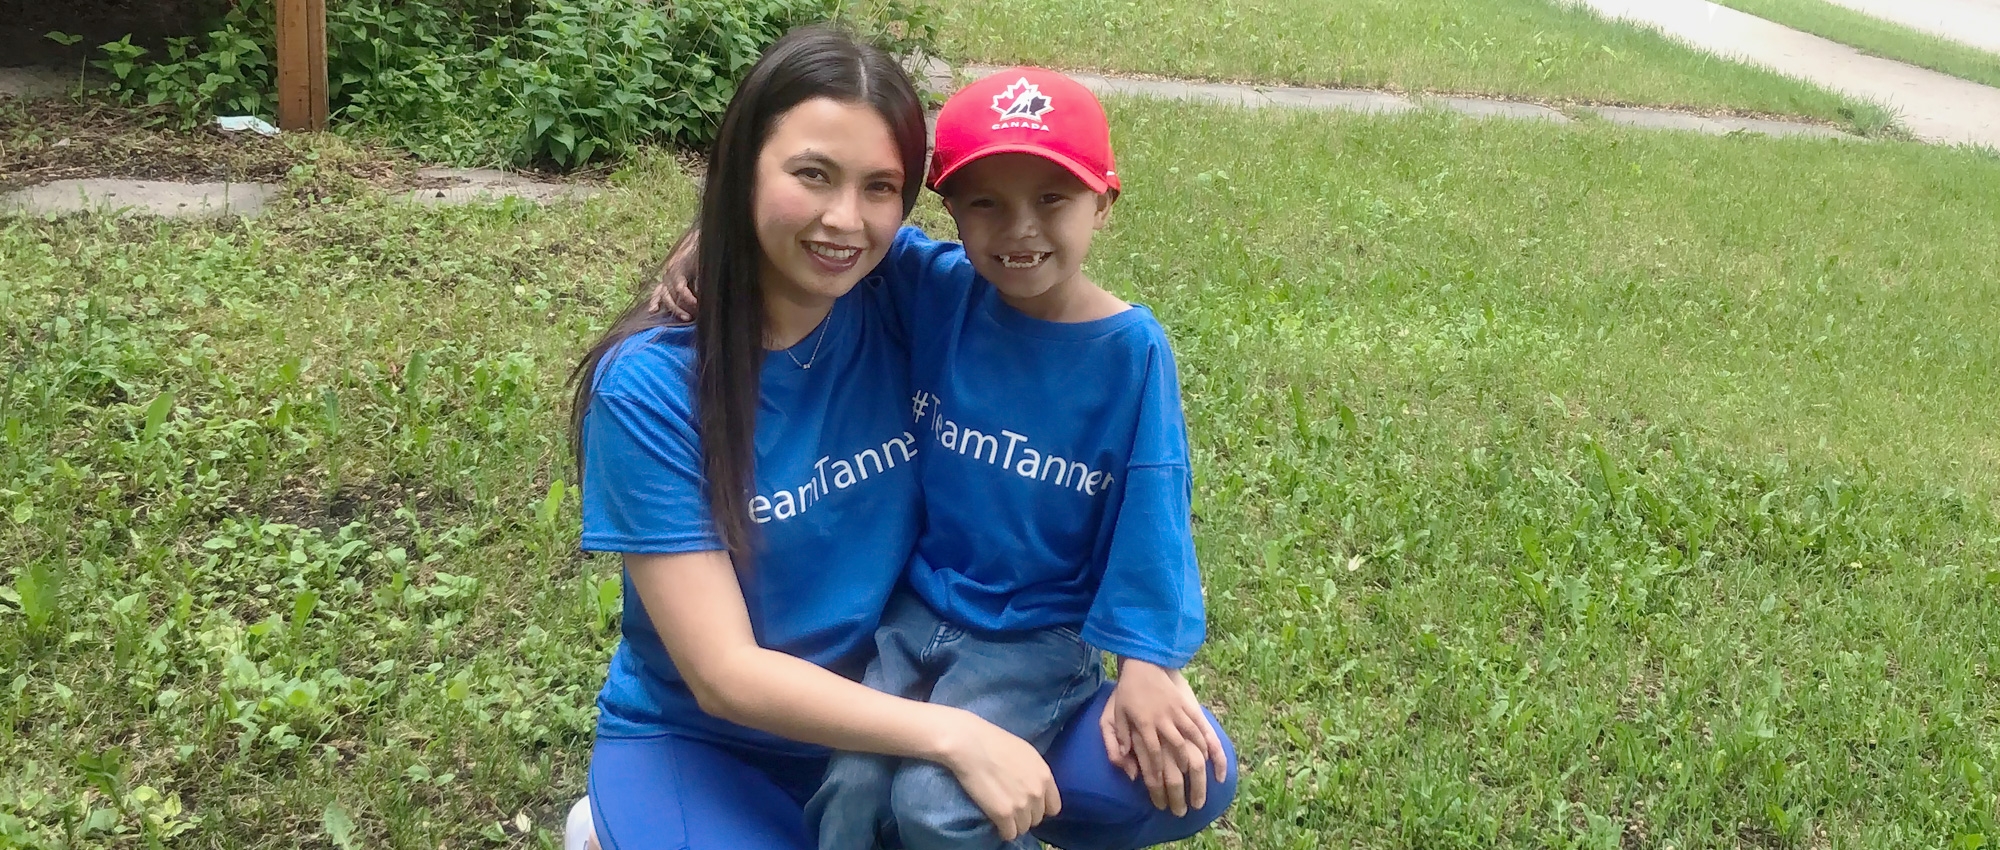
(1367, 100)
(1936, 107)
(1970, 22)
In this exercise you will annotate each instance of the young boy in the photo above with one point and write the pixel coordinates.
(1055, 468)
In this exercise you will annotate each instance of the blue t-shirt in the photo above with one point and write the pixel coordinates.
(836, 511)
(1055, 465)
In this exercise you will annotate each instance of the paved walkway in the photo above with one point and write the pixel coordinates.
(1973, 22)
(148, 197)
(1936, 107)
(456, 187)
(1365, 100)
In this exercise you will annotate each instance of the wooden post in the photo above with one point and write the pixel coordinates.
(302, 64)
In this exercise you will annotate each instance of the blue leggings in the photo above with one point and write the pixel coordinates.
(665, 792)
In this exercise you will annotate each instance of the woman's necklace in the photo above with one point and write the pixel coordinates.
(815, 355)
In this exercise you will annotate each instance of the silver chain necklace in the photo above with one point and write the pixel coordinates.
(815, 355)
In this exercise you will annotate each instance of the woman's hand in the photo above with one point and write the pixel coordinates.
(1154, 728)
(696, 602)
(673, 293)
(1003, 775)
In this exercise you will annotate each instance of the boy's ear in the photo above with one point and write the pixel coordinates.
(1103, 215)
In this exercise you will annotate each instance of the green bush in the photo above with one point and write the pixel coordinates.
(231, 73)
(562, 82)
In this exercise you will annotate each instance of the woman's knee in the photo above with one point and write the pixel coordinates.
(1105, 810)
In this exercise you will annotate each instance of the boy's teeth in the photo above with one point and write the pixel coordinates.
(1022, 261)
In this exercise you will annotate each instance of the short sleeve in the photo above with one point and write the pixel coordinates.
(642, 482)
(920, 278)
(1149, 605)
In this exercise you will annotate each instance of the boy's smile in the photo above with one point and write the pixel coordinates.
(1027, 223)
(1027, 260)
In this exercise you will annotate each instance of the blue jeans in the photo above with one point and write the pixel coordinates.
(1028, 683)
(666, 792)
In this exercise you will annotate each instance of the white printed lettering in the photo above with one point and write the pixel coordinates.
(1013, 439)
(973, 440)
(967, 441)
(1060, 465)
(908, 443)
(866, 455)
(846, 472)
(1031, 462)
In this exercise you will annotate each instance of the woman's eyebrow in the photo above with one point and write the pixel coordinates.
(816, 158)
(812, 157)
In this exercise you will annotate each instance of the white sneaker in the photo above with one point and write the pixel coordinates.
(579, 833)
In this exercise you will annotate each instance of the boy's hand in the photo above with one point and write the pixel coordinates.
(1154, 728)
(673, 293)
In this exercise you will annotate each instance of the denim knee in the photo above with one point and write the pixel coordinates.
(932, 811)
(852, 801)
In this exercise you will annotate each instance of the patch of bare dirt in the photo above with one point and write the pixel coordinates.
(43, 140)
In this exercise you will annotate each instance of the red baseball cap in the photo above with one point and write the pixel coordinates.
(1026, 110)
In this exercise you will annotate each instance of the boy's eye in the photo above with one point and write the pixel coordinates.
(1053, 198)
(980, 203)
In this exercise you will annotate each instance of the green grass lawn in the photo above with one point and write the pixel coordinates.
(1532, 49)
(1870, 34)
(1556, 487)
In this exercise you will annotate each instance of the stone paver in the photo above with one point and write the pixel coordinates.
(1934, 106)
(1973, 22)
(1364, 100)
(1344, 100)
(487, 185)
(33, 82)
(213, 200)
(1479, 107)
(148, 197)
(1779, 128)
(1658, 119)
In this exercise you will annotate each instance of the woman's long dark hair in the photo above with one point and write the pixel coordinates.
(809, 62)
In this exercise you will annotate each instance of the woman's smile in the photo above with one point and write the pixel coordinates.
(833, 258)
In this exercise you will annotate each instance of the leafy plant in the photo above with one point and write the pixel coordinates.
(227, 72)
(563, 82)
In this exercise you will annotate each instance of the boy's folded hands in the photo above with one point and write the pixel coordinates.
(1154, 729)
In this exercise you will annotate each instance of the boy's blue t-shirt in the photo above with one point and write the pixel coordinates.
(1055, 464)
(836, 512)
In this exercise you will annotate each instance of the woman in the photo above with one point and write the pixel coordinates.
(753, 578)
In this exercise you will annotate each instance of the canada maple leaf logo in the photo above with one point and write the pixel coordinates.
(1023, 100)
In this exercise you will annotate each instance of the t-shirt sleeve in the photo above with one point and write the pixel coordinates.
(920, 278)
(1149, 605)
(642, 481)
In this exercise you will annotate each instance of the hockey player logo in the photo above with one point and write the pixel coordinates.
(1022, 105)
